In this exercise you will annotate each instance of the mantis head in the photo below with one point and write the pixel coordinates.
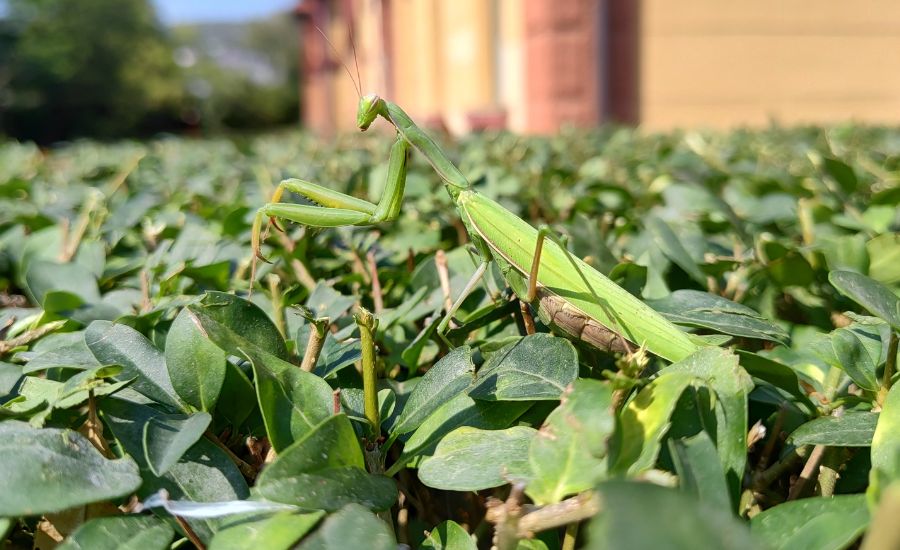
(369, 107)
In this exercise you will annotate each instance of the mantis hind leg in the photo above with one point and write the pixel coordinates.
(545, 232)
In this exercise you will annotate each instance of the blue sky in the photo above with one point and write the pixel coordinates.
(204, 11)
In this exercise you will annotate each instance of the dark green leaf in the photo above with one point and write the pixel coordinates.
(445, 380)
(168, 437)
(669, 244)
(351, 527)
(325, 471)
(641, 515)
(568, 455)
(279, 532)
(449, 535)
(460, 411)
(114, 344)
(196, 365)
(853, 429)
(536, 367)
(870, 294)
(702, 309)
(120, 533)
(469, 459)
(699, 470)
(814, 523)
(203, 474)
(233, 323)
(50, 470)
(292, 401)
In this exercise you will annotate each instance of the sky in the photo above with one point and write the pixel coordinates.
(206, 11)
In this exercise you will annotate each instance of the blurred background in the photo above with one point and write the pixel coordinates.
(121, 68)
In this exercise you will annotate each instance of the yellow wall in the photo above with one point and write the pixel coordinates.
(445, 63)
(722, 63)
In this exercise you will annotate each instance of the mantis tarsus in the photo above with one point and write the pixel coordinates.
(568, 293)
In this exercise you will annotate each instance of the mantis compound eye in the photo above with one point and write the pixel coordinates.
(368, 110)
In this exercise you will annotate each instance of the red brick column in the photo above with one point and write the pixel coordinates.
(316, 109)
(562, 63)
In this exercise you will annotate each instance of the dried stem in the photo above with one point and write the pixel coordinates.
(440, 262)
(189, 531)
(773, 438)
(30, 336)
(246, 469)
(318, 331)
(765, 478)
(808, 470)
(527, 318)
(300, 272)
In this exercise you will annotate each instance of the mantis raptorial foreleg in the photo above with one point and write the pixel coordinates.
(335, 209)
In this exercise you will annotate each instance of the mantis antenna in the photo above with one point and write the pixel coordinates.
(356, 84)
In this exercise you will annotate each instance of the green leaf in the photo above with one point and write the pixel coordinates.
(671, 246)
(293, 402)
(239, 393)
(536, 367)
(67, 349)
(778, 374)
(644, 422)
(278, 532)
(50, 470)
(328, 459)
(43, 277)
(699, 470)
(336, 355)
(886, 445)
(167, 437)
(813, 523)
(469, 459)
(462, 410)
(702, 309)
(324, 301)
(196, 365)
(641, 515)
(351, 527)
(857, 351)
(853, 429)
(233, 323)
(870, 294)
(121, 533)
(841, 172)
(445, 380)
(719, 370)
(449, 535)
(884, 251)
(568, 455)
(114, 344)
(203, 474)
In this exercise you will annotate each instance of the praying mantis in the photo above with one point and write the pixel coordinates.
(568, 294)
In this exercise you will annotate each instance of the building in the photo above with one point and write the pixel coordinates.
(535, 65)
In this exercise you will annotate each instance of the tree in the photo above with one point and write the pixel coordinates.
(101, 68)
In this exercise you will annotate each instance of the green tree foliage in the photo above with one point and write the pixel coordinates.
(241, 75)
(88, 67)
